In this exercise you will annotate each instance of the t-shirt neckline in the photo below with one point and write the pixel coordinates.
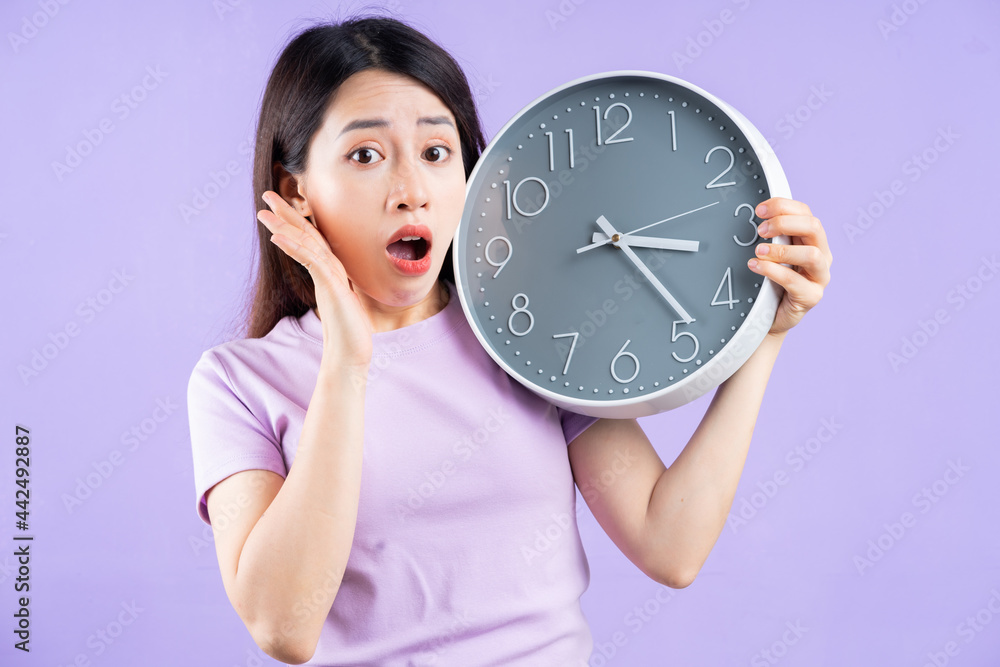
(398, 340)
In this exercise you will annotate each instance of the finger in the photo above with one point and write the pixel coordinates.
(811, 261)
(803, 292)
(285, 213)
(802, 229)
(781, 206)
(300, 253)
(288, 222)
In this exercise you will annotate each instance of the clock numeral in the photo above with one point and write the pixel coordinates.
(611, 139)
(727, 282)
(623, 353)
(520, 309)
(502, 263)
(732, 161)
(572, 347)
(552, 155)
(674, 337)
(512, 198)
(750, 220)
(673, 131)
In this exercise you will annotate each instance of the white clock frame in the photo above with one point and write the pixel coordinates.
(733, 354)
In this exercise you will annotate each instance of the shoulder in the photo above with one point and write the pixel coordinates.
(238, 358)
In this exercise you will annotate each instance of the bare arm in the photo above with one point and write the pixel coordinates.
(283, 559)
(666, 520)
(283, 564)
(691, 499)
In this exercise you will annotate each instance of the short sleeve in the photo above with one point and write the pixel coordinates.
(226, 437)
(573, 423)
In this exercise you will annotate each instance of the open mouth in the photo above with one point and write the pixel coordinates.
(411, 248)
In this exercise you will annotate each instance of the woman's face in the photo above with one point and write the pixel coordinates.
(386, 164)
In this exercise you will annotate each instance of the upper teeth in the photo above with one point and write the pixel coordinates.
(410, 238)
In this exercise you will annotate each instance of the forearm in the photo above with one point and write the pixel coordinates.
(294, 559)
(691, 499)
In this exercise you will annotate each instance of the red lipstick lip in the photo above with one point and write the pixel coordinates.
(411, 267)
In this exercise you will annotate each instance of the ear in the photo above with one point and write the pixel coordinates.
(292, 190)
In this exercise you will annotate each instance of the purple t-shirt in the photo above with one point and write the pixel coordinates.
(466, 549)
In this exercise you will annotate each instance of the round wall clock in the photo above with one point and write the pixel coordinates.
(601, 258)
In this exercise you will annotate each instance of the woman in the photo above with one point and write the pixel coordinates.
(429, 516)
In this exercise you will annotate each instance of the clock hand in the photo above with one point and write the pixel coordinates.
(673, 217)
(652, 242)
(615, 238)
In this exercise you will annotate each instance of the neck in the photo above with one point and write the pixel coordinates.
(388, 318)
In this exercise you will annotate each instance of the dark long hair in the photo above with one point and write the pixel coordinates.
(307, 73)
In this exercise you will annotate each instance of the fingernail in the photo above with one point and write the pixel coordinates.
(761, 210)
(763, 249)
(763, 228)
(752, 263)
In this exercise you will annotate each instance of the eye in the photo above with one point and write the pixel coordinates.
(437, 153)
(366, 156)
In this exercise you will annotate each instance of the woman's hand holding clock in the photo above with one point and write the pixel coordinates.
(807, 252)
(347, 332)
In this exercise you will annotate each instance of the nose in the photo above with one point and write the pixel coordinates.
(409, 187)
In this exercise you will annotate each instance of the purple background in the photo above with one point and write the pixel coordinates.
(848, 104)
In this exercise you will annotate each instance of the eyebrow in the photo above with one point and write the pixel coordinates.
(368, 123)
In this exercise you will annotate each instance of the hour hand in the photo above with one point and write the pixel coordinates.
(650, 242)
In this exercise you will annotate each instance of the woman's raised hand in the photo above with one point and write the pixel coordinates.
(347, 331)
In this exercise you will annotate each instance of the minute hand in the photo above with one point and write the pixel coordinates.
(606, 227)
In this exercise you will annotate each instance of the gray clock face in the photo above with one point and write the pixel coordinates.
(602, 254)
